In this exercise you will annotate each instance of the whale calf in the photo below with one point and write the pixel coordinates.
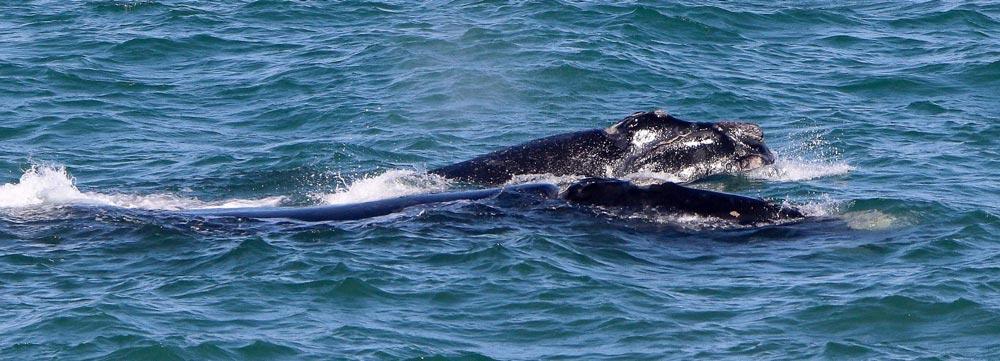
(674, 198)
(644, 141)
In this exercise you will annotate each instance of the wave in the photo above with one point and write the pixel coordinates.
(47, 185)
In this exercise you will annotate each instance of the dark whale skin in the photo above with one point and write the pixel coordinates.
(354, 211)
(671, 197)
(585, 152)
(643, 141)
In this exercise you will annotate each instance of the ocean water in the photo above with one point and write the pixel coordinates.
(885, 117)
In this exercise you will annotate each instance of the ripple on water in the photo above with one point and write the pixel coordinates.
(877, 314)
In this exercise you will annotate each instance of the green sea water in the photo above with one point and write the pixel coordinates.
(885, 117)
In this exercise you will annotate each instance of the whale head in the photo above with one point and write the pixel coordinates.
(659, 142)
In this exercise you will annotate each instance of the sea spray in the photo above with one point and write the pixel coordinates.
(52, 185)
(391, 183)
(798, 169)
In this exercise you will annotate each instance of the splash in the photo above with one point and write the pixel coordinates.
(44, 185)
(808, 158)
(796, 169)
(392, 183)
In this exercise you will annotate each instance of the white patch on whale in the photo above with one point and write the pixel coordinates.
(695, 143)
(643, 137)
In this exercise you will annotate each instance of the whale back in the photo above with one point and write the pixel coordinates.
(585, 152)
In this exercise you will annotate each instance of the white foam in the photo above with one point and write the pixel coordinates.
(42, 186)
(392, 183)
(792, 170)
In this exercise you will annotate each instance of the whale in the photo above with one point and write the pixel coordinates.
(664, 197)
(641, 142)
(362, 210)
(669, 197)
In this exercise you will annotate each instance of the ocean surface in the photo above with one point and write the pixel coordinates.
(114, 115)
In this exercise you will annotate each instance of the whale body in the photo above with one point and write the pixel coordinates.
(670, 197)
(665, 197)
(643, 141)
(346, 212)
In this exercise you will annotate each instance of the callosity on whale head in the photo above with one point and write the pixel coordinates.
(659, 142)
